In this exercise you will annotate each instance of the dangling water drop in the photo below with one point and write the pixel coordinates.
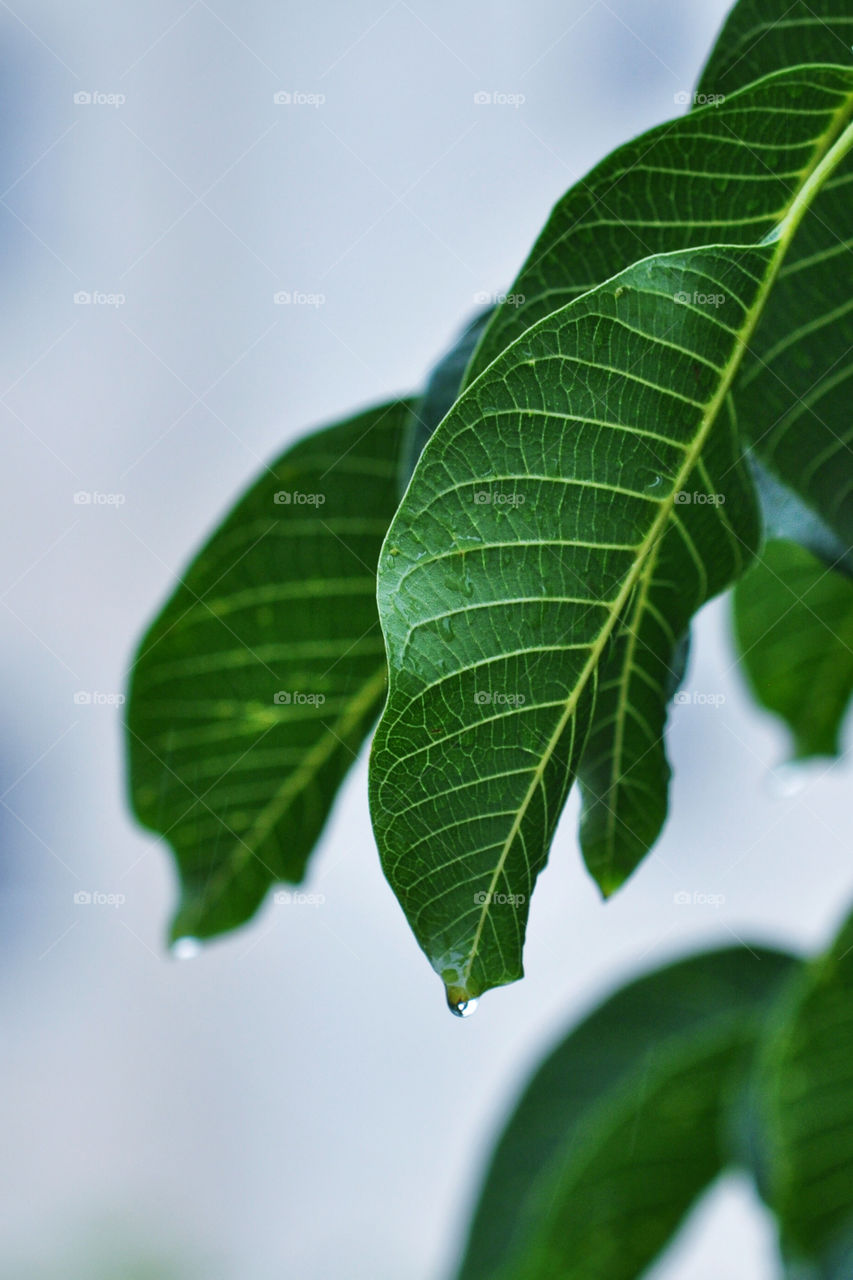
(185, 948)
(461, 1008)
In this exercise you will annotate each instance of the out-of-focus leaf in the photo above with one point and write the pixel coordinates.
(794, 631)
(256, 685)
(806, 1085)
(624, 1124)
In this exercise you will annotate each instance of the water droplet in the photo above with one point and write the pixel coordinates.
(786, 780)
(447, 627)
(462, 1008)
(185, 948)
(653, 481)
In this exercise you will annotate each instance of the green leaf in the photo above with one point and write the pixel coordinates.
(794, 391)
(258, 682)
(760, 36)
(624, 1124)
(806, 1076)
(723, 173)
(794, 630)
(701, 178)
(525, 536)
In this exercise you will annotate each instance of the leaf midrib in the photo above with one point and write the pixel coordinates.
(623, 700)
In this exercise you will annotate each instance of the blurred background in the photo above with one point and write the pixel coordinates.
(296, 1100)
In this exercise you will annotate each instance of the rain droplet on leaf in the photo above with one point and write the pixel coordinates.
(185, 948)
(462, 1008)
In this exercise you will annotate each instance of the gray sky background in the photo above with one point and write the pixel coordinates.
(297, 1101)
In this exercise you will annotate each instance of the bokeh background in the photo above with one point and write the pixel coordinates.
(296, 1101)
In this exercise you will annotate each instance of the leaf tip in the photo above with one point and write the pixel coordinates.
(461, 995)
(608, 884)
